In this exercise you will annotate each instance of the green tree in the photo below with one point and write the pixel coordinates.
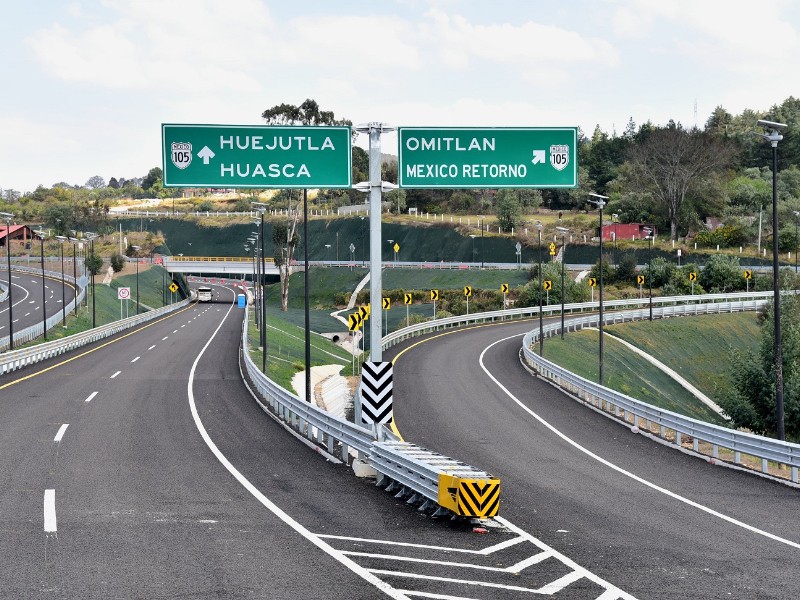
(671, 162)
(153, 175)
(509, 209)
(93, 263)
(117, 262)
(751, 403)
(95, 182)
(721, 274)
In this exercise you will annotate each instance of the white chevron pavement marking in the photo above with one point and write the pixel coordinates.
(577, 572)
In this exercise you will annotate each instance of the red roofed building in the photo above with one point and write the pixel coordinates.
(22, 233)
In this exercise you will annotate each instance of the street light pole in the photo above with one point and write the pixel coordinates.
(472, 235)
(90, 236)
(649, 233)
(136, 249)
(600, 203)
(541, 319)
(773, 136)
(563, 231)
(41, 235)
(262, 208)
(614, 217)
(61, 239)
(796, 215)
(483, 254)
(75, 272)
(7, 217)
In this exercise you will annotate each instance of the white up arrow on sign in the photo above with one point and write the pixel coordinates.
(207, 154)
(538, 157)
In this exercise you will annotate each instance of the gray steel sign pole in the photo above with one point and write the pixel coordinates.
(375, 190)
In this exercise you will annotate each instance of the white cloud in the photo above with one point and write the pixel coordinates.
(458, 42)
(189, 44)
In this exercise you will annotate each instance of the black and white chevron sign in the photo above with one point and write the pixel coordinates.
(376, 392)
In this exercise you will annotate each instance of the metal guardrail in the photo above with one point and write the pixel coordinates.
(236, 259)
(659, 421)
(553, 309)
(739, 443)
(433, 481)
(28, 334)
(331, 433)
(17, 359)
(422, 477)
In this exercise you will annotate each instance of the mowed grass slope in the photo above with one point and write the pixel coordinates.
(695, 347)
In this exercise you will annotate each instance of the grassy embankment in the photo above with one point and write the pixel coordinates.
(695, 347)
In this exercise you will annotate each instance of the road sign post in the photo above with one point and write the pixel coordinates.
(256, 156)
(472, 157)
(434, 297)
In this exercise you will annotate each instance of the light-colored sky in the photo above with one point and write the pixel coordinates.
(86, 84)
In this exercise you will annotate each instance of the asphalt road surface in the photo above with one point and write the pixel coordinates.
(141, 467)
(650, 520)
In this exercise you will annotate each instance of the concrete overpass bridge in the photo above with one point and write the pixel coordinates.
(217, 265)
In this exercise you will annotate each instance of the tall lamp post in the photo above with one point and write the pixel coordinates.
(600, 202)
(41, 235)
(614, 219)
(75, 271)
(91, 236)
(796, 216)
(262, 208)
(136, 249)
(773, 136)
(649, 232)
(472, 235)
(8, 217)
(541, 319)
(61, 239)
(563, 231)
(483, 254)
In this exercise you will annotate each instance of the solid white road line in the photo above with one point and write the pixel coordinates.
(266, 502)
(620, 470)
(91, 396)
(61, 431)
(50, 511)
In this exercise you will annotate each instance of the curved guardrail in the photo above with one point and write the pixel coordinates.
(17, 359)
(664, 423)
(329, 432)
(424, 478)
(555, 309)
(28, 334)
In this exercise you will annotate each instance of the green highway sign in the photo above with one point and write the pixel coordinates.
(256, 156)
(498, 157)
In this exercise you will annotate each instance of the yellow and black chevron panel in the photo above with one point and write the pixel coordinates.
(469, 497)
(478, 497)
